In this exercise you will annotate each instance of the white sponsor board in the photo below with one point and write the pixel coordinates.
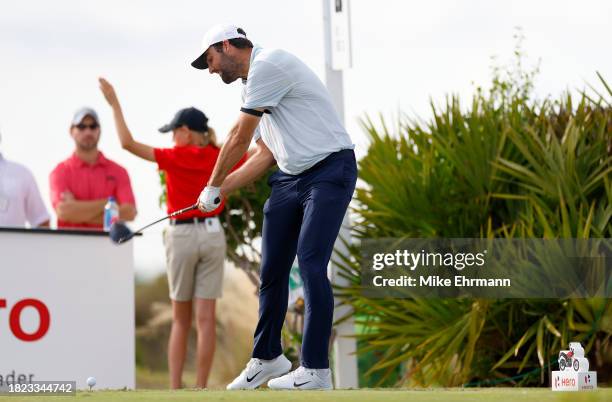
(574, 381)
(66, 309)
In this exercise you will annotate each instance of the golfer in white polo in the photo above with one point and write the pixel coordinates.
(288, 111)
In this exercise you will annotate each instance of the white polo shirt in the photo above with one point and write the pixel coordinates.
(20, 200)
(302, 127)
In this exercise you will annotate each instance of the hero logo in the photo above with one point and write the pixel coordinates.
(564, 382)
(568, 382)
(15, 316)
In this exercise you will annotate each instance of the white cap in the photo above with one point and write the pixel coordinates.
(80, 114)
(215, 34)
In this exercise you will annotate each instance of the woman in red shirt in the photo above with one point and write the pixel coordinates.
(194, 241)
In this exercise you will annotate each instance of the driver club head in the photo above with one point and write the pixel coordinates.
(120, 233)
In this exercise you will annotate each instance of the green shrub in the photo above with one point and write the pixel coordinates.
(506, 166)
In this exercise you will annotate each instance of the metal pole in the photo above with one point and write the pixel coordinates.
(344, 358)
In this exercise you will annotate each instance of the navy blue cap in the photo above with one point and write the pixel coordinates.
(191, 117)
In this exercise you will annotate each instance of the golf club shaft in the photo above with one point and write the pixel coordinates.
(173, 214)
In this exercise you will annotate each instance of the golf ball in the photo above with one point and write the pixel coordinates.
(91, 381)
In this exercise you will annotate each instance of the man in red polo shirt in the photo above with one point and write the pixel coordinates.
(81, 185)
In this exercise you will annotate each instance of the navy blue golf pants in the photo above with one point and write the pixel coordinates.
(302, 216)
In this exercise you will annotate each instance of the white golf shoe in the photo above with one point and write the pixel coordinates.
(304, 378)
(259, 371)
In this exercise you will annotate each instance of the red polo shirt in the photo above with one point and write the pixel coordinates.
(188, 169)
(87, 182)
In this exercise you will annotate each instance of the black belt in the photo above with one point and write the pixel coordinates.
(189, 220)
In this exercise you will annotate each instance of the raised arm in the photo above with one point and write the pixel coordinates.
(125, 136)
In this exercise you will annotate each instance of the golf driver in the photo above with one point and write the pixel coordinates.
(120, 233)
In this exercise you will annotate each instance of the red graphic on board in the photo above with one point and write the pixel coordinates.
(15, 319)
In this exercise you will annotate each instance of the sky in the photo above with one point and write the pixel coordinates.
(405, 54)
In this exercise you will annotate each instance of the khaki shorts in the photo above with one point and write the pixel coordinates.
(195, 260)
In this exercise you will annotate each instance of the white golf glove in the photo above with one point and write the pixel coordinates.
(210, 198)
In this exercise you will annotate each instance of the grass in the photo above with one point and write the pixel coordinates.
(384, 395)
(160, 380)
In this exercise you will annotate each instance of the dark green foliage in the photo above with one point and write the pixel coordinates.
(506, 166)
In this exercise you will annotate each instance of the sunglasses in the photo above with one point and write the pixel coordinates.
(84, 126)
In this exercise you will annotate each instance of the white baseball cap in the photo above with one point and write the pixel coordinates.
(80, 114)
(215, 34)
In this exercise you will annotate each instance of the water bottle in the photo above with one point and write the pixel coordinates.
(111, 213)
